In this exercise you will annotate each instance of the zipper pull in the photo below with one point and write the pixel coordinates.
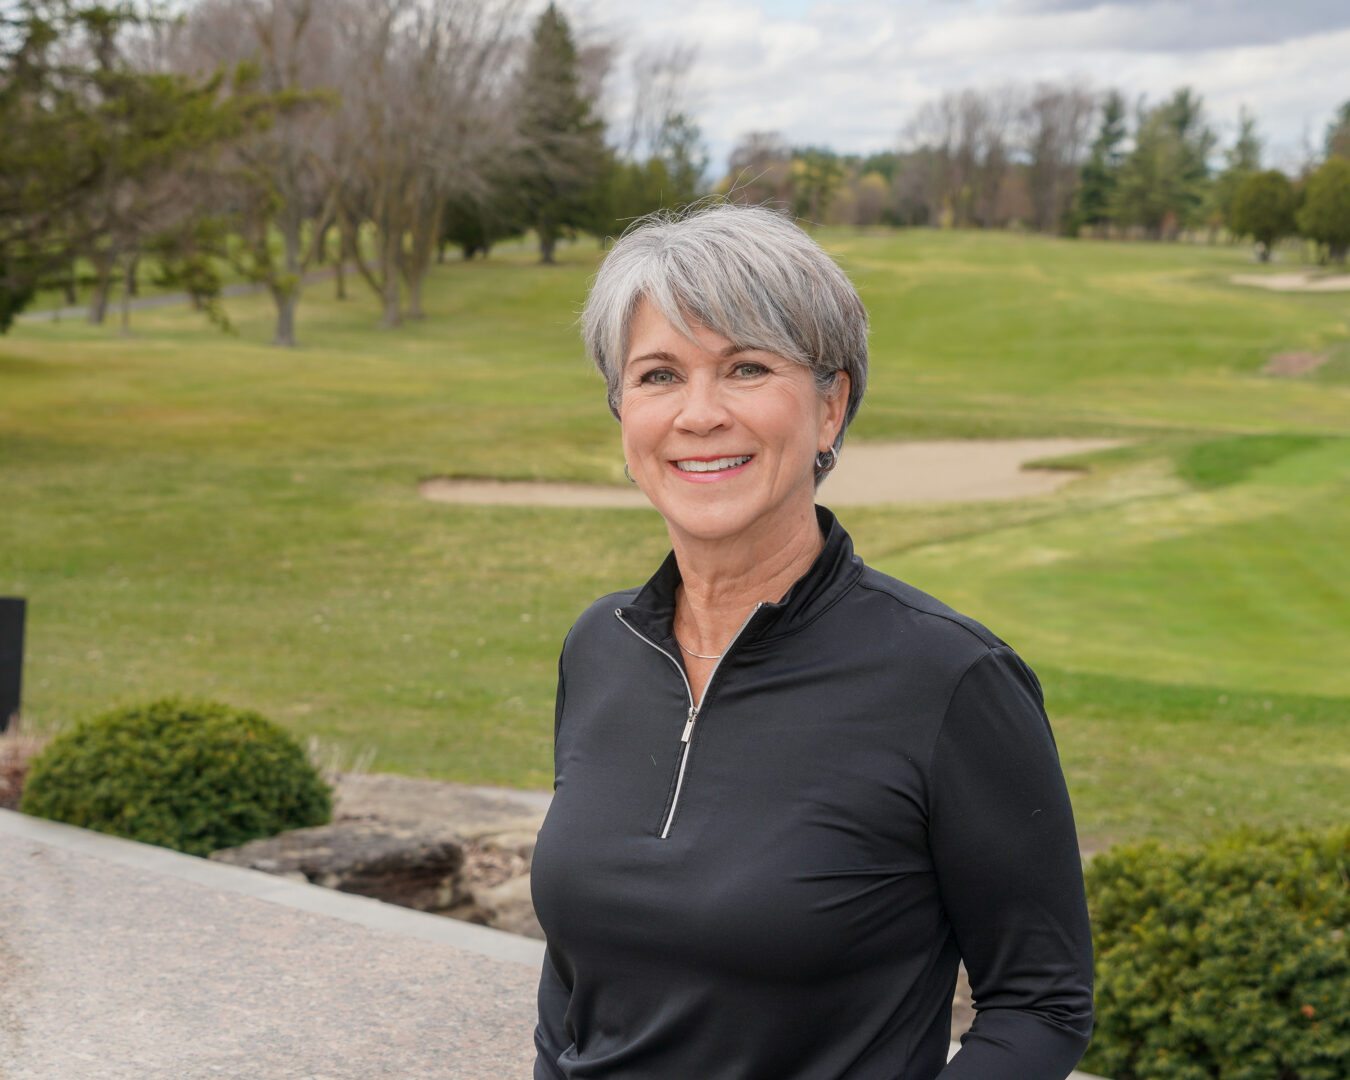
(689, 724)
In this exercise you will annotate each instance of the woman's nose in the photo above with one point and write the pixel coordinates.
(702, 406)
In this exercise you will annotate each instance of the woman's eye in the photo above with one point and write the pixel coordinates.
(659, 376)
(748, 369)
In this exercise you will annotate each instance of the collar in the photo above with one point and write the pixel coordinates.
(830, 576)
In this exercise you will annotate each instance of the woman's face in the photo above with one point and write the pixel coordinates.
(723, 442)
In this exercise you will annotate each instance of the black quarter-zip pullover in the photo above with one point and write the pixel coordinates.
(868, 793)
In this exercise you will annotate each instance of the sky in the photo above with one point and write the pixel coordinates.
(849, 73)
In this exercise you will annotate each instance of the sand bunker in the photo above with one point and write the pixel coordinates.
(1294, 365)
(955, 470)
(1300, 282)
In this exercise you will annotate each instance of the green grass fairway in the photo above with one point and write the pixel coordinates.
(199, 513)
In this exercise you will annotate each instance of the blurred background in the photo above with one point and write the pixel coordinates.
(268, 266)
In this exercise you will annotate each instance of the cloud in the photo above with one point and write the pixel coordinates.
(850, 73)
(1174, 25)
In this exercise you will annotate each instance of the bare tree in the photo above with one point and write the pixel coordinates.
(276, 181)
(760, 169)
(425, 117)
(964, 138)
(659, 94)
(1058, 124)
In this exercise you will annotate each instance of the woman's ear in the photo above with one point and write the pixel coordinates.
(836, 405)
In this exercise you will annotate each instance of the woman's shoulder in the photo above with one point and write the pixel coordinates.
(923, 618)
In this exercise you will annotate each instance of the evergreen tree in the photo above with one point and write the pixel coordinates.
(564, 155)
(1097, 188)
(1164, 181)
(93, 149)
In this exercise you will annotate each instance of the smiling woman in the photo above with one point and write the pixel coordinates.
(791, 793)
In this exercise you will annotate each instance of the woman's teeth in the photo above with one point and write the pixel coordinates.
(715, 465)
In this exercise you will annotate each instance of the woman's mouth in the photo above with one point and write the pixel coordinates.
(711, 470)
(711, 465)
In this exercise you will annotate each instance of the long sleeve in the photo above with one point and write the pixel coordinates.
(550, 1034)
(1006, 853)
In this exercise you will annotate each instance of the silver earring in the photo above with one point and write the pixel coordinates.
(628, 474)
(827, 459)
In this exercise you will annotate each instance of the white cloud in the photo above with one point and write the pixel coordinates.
(848, 73)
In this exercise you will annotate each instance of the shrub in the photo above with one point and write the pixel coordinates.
(191, 775)
(1263, 208)
(1230, 962)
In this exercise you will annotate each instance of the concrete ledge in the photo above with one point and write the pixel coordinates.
(121, 961)
(375, 914)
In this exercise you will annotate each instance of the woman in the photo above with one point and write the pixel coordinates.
(791, 792)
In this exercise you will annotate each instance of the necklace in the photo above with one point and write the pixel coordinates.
(701, 656)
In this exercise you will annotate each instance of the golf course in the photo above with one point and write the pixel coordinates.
(196, 512)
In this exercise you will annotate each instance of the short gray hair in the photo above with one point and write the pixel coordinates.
(745, 272)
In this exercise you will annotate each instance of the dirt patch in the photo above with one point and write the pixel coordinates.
(1297, 282)
(932, 471)
(16, 750)
(1293, 365)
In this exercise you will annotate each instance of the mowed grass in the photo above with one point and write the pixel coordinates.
(196, 513)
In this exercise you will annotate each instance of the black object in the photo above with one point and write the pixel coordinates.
(11, 656)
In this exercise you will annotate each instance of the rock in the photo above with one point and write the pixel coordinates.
(508, 907)
(401, 864)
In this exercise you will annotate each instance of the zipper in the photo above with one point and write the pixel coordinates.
(693, 714)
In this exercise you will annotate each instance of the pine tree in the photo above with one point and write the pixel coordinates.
(1164, 182)
(1097, 188)
(564, 155)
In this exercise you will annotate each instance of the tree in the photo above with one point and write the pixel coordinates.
(1325, 215)
(1100, 176)
(963, 140)
(1263, 208)
(474, 222)
(1243, 160)
(817, 174)
(759, 170)
(95, 150)
(1057, 119)
(1337, 140)
(275, 184)
(424, 119)
(1164, 180)
(564, 153)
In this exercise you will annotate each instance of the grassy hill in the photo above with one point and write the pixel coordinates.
(205, 514)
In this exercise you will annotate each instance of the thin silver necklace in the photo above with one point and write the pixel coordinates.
(701, 656)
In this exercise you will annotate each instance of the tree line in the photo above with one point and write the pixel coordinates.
(1064, 159)
(276, 136)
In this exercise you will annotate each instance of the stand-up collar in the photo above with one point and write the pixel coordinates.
(831, 575)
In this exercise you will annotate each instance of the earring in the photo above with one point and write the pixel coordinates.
(628, 474)
(827, 459)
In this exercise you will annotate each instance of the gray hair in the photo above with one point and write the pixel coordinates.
(745, 272)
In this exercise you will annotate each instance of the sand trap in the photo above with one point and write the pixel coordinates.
(1301, 282)
(956, 470)
(1294, 365)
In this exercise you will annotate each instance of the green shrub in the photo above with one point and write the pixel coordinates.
(191, 775)
(1229, 962)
